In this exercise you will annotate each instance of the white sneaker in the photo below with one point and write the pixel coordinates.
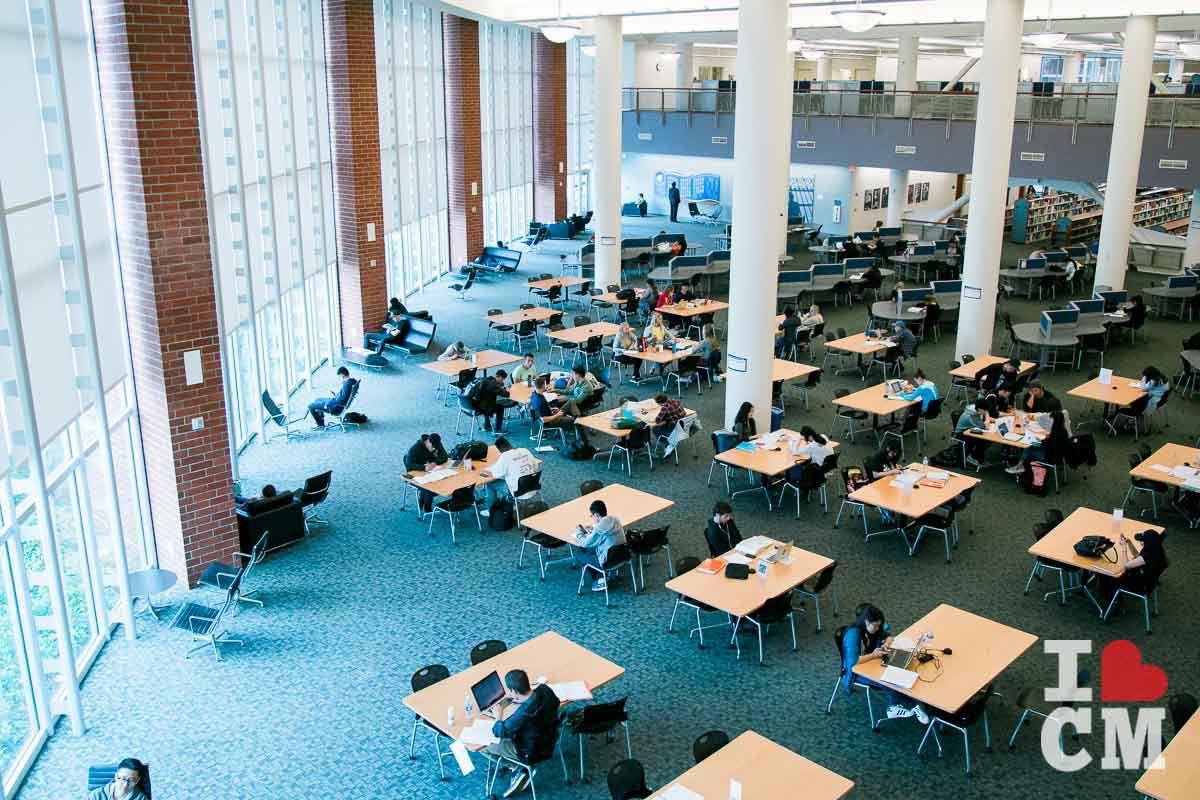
(1015, 469)
(899, 712)
(483, 512)
(920, 714)
(520, 781)
(600, 585)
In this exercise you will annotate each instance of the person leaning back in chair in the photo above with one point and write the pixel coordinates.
(336, 404)
(529, 732)
(128, 783)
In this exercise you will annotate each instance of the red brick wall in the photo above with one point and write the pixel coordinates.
(357, 179)
(549, 129)
(464, 148)
(147, 84)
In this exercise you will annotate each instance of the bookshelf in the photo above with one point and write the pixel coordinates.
(1033, 219)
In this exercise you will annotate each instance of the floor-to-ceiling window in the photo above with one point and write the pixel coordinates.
(506, 120)
(412, 143)
(270, 187)
(73, 506)
(581, 92)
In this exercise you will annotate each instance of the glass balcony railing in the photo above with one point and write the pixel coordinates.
(1073, 107)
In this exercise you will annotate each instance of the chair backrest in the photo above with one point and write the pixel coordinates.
(638, 437)
(529, 483)
(839, 639)
(528, 508)
(1182, 706)
(599, 717)
(462, 496)
(428, 676)
(103, 774)
(627, 780)
(587, 487)
(934, 409)
(1052, 516)
(486, 649)
(465, 376)
(686, 564)
(594, 344)
(581, 320)
(492, 312)
(617, 554)
(354, 387)
(824, 579)
(650, 541)
(973, 710)
(273, 411)
(316, 488)
(709, 743)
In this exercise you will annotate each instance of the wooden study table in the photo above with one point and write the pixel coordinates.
(483, 361)
(692, 308)
(972, 368)
(536, 314)
(565, 282)
(605, 421)
(447, 486)
(765, 770)
(791, 370)
(651, 355)
(769, 461)
(912, 504)
(549, 655)
(1117, 392)
(1058, 545)
(875, 401)
(1168, 457)
(739, 598)
(982, 650)
(859, 345)
(1175, 774)
(627, 504)
(992, 435)
(581, 333)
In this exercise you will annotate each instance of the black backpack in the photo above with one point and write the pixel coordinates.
(355, 418)
(502, 516)
(471, 393)
(474, 450)
(582, 452)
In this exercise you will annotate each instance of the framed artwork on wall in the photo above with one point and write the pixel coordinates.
(883, 202)
(910, 193)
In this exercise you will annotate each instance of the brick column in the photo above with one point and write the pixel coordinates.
(549, 129)
(148, 91)
(464, 146)
(357, 179)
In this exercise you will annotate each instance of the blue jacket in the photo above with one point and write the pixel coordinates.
(342, 398)
(533, 726)
(853, 649)
(926, 392)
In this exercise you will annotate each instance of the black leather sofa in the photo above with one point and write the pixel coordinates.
(281, 515)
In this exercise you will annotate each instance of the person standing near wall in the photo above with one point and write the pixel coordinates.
(673, 198)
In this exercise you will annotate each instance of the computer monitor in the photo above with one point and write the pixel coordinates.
(1088, 306)
(488, 691)
(1034, 262)
(1181, 281)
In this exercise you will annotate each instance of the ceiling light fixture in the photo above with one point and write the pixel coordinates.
(560, 31)
(1047, 37)
(812, 55)
(857, 19)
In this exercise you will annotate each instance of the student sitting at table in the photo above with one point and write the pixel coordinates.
(903, 337)
(489, 396)
(924, 390)
(722, 533)
(456, 350)
(814, 445)
(1155, 384)
(665, 297)
(744, 427)
(579, 392)
(513, 464)
(528, 734)
(670, 411)
(1142, 569)
(1051, 448)
(626, 339)
(593, 542)
(657, 334)
(812, 318)
(683, 293)
(525, 371)
(1038, 400)
(709, 352)
(426, 453)
(973, 416)
(787, 331)
(649, 299)
(886, 461)
(867, 640)
(541, 409)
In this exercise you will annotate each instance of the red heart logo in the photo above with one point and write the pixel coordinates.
(1124, 678)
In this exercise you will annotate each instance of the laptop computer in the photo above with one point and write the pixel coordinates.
(899, 658)
(489, 695)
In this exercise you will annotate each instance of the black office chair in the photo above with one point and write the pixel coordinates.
(598, 718)
(314, 493)
(1181, 707)
(839, 637)
(1144, 486)
(709, 743)
(1028, 701)
(966, 716)
(682, 567)
(644, 544)
(848, 415)
(462, 499)
(500, 330)
(486, 649)
(820, 586)
(618, 556)
(466, 408)
(775, 610)
(627, 780)
(638, 441)
(421, 679)
(587, 487)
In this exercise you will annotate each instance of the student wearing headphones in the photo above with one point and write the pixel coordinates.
(867, 640)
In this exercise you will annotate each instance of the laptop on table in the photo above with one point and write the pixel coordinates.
(489, 696)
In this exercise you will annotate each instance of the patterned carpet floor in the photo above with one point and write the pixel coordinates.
(311, 706)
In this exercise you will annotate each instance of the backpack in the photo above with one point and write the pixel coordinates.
(472, 390)
(474, 450)
(1033, 479)
(949, 457)
(501, 516)
(355, 418)
(581, 452)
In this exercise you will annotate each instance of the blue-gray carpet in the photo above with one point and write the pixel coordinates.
(311, 706)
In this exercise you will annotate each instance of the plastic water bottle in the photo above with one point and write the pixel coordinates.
(469, 706)
(925, 462)
(449, 716)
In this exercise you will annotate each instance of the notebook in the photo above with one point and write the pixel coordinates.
(899, 677)
(711, 566)
(754, 544)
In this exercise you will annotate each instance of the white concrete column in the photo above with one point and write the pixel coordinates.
(683, 67)
(897, 195)
(1191, 251)
(1072, 66)
(997, 70)
(606, 174)
(1175, 70)
(783, 107)
(907, 56)
(1129, 124)
(762, 38)
(824, 68)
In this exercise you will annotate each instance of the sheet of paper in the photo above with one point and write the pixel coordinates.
(550, 396)
(436, 475)
(677, 792)
(1161, 468)
(571, 691)
(736, 558)
(1105, 376)
(754, 544)
(938, 475)
(546, 448)
(459, 751)
(735, 789)
(478, 733)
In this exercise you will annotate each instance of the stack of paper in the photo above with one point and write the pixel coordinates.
(478, 733)
(436, 475)
(571, 691)
(754, 544)
(677, 792)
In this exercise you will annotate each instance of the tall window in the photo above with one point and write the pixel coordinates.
(270, 186)
(506, 109)
(412, 143)
(1101, 69)
(581, 93)
(73, 507)
(1052, 68)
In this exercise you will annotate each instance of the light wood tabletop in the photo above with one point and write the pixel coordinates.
(565, 281)
(992, 434)
(859, 344)
(610, 297)
(693, 308)
(921, 500)
(653, 356)
(538, 313)
(484, 360)
(627, 504)
(982, 650)
(1171, 457)
(874, 400)
(738, 597)
(461, 477)
(1175, 774)
(1116, 392)
(605, 421)
(790, 370)
(550, 655)
(581, 333)
(773, 460)
(1059, 544)
(973, 368)
(765, 770)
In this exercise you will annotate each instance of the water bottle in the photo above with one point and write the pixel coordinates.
(925, 462)
(450, 716)
(467, 464)
(469, 706)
